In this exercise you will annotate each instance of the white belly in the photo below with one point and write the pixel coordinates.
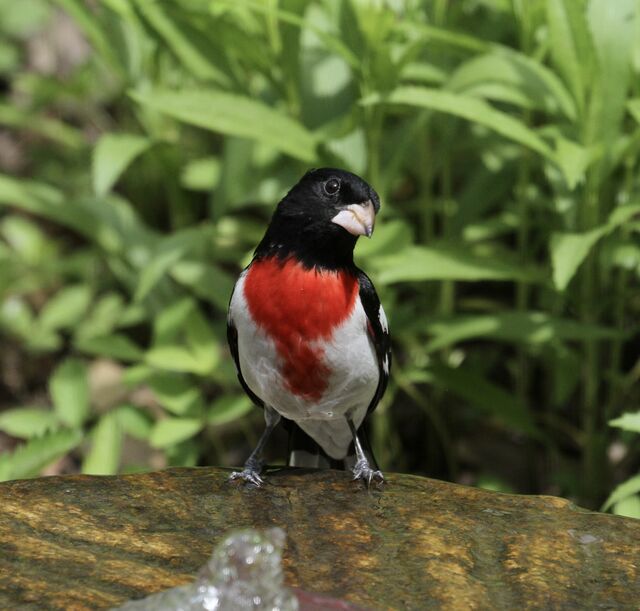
(348, 354)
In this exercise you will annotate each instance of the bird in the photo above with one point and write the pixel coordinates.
(306, 329)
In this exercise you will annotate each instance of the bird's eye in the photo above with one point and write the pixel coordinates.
(332, 186)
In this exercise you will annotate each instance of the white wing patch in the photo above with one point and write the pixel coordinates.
(382, 317)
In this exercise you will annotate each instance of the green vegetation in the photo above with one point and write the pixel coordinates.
(144, 144)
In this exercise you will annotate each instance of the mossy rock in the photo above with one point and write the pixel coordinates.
(83, 542)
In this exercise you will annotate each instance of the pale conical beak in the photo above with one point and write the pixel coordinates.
(357, 219)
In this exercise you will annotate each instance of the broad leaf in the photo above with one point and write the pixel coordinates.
(627, 422)
(634, 108)
(421, 263)
(176, 358)
(69, 388)
(115, 346)
(629, 507)
(27, 422)
(539, 86)
(106, 446)
(176, 393)
(469, 108)
(527, 327)
(228, 409)
(570, 46)
(66, 307)
(170, 431)
(624, 490)
(31, 458)
(179, 42)
(112, 155)
(234, 115)
(133, 421)
(569, 250)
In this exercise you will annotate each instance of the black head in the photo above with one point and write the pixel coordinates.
(321, 218)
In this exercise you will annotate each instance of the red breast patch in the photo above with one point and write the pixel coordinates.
(296, 306)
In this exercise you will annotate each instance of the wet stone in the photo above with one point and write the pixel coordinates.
(82, 542)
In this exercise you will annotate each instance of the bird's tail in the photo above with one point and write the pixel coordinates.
(305, 452)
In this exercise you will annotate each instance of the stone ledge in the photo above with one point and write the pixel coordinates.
(83, 542)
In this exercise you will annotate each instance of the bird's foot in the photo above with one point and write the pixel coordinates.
(362, 470)
(250, 474)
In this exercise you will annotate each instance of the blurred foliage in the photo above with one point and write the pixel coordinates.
(143, 145)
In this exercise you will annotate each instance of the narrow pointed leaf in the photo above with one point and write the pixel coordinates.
(111, 157)
(234, 115)
(469, 108)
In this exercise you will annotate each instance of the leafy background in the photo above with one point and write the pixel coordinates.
(143, 145)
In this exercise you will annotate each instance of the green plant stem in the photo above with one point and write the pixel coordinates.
(621, 279)
(522, 377)
(447, 288)
(593, 459)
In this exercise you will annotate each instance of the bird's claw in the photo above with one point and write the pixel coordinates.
(248, 475)
(363, 471)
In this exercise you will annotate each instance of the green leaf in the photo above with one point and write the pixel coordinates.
(27, 422)
(170, 431)
(31, 458)
(629, 507)
(573, 159)
(202, 342)
(55, 130)
(569, 250)
(538, 86)
(391, 237)
(623, 491)
(528, 327)
(422, 263)
(169, 251)
(469, 108)
(491, 399)
(134, 421)
(201, 174)
(115, 346)
(175, 358)
(611, 26)
(179, 42)
(228, 409)
(234, 115)
(104, 317)
(106, 446)
(69, 388)
(206, 280)
(331, 42)
(169, 322)
(26, 239)
(627, 422)
(66, 307)
(176, 393)
(112, 155)
(570, 47)
(634, 108)
(45, 201)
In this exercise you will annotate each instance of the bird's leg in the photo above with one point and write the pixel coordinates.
(362, 469)
(253, 466)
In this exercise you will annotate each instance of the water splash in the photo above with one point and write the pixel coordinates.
(244, 572)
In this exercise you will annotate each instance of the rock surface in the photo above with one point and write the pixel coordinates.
(84, 542)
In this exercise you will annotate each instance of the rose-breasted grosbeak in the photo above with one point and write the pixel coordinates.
(306, 329)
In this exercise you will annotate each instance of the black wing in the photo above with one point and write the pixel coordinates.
(232, 340)
(379, 333)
